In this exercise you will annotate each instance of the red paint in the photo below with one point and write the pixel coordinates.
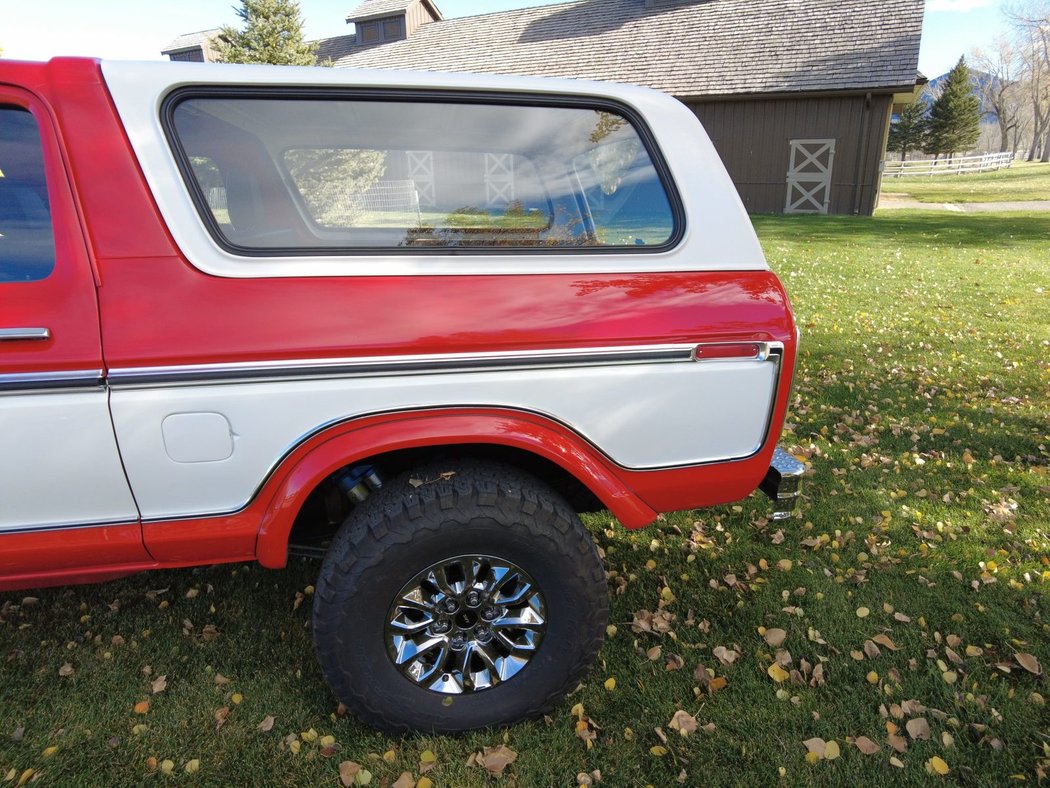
(64, 302)
(157, 309)
(70, 549)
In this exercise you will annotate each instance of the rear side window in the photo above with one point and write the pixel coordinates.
(27, 244)
(312, 175)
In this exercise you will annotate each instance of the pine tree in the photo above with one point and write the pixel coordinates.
(273, 33)
(909, 132)
(955, 117)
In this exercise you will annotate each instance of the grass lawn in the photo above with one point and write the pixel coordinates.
(1023, 181)
(917, 577)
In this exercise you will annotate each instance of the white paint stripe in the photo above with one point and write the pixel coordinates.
(640, 415)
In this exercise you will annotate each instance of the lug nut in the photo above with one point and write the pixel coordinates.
(440, 627)
(473, 599)
(451, 606)
(482, 635)
(457, 642)
(490, 613)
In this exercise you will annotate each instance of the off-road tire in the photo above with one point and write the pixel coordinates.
(460, 508)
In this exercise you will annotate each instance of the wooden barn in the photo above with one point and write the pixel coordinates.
(795, 94)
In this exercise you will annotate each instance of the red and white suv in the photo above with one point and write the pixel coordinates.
(413, 323)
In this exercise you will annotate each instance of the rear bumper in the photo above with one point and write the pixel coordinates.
(783, 483)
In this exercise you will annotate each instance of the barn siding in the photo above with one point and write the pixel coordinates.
(752, 137)
(415, 17)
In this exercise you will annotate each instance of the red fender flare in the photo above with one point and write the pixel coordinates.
(355, 440)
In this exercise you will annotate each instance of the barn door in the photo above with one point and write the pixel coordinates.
(421, 171)
(809, 176)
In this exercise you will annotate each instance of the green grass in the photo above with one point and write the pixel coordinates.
(922, 401)
(1023, 181)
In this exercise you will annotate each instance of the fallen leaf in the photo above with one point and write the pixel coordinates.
(210, 632)
(142, 707)
(193, 766)
(884, 640)
(1029, 663)
(349, 771)
(65, 671)
(49, 751)
(724, 655)
(658, 751)
(777, 673)
(167, 766)
(866, 745)
(831, 750)
(918, 728)
(863, 612)
(159, 684)
(610, 684)
(775, 637)
(936, 765)
(424, 782)
(683, 722)
(816, 746)
(654, 653)
(495, 759)
(406, 780)
(895, 761)
(220, 680)
(221, 716)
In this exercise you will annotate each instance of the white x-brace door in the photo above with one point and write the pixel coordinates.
(809, 176)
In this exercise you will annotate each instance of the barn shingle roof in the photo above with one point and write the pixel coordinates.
(683, 47)
(190, 40)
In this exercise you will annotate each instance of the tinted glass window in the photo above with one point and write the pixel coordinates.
(27, 245)
(309, 175)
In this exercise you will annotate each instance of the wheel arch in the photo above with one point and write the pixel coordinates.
(526, 440)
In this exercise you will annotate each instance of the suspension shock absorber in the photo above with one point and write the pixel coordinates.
(358, 482)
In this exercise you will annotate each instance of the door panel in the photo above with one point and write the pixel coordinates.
(59, 466)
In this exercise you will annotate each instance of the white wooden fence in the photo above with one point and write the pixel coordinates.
(956, 166)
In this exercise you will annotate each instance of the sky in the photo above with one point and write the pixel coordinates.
(137, 30)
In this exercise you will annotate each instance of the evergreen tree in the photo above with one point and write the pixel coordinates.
(909, 132)
(273, 33)
(955, 117)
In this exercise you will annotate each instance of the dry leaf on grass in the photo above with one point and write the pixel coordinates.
(775, 637)
(918, 728)
(495, 759)
(683, 722)
(866, 745)
(406, 780)
(1029, 663)
(267, 724)
(884, 640)
(65, 671)
(724, 655)
(159, 684)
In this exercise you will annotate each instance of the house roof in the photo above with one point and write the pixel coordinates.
(190, 40)
(370, 9)
(686, 48)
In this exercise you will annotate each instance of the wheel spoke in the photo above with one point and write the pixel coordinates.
(439, 633)
(526, 619)
(408, 627)
(409, 649)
